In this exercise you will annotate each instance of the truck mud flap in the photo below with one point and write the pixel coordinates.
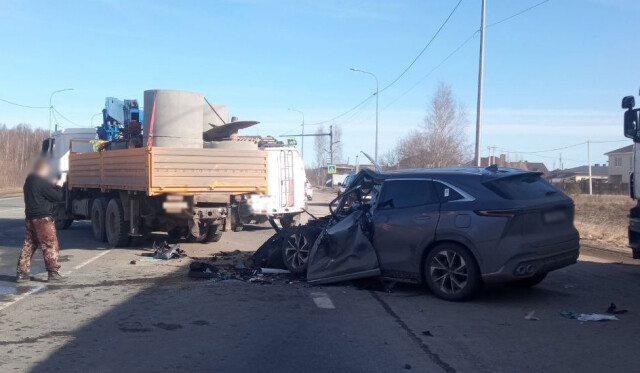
(343, 252)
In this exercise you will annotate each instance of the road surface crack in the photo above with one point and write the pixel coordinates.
(413, 336)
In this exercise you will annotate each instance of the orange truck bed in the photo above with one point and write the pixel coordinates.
(170, 170)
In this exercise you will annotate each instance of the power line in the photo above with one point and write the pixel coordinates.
(423, 49)
(65, 118)
(24, 106)
(457, 49)
(517, 14)
(345, 113)
(437, 66)
(434, 69)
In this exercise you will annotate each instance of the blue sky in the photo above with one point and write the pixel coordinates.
(554, 76)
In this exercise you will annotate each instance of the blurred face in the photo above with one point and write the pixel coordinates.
(43, 170)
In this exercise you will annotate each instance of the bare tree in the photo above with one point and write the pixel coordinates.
(439, 142)
(19, 147)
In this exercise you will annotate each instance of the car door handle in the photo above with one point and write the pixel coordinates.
(424, 216)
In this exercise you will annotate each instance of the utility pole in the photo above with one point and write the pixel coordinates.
(51, 105)
(375, 157)
(298, 111)
(589, 162)
(480, 76)
(330, 143)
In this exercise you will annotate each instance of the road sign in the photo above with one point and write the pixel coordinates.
(332, 169)
(292, 142)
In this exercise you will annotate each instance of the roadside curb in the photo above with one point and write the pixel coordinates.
(606, 246)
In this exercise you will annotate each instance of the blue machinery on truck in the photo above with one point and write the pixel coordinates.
(122, 122)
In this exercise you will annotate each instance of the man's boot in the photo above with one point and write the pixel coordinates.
(22, 277)
(54, 276)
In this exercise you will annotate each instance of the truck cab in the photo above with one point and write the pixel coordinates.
(56, 148)
(632, 131)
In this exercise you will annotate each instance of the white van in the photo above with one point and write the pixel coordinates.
(285, 199)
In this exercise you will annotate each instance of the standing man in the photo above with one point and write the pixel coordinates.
(40, 198)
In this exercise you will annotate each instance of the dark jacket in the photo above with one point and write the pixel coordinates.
(40, 197)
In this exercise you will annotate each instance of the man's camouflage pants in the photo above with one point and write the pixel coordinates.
(40, 233)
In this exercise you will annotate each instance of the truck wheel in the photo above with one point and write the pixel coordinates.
(60, 218)
(115, 225)
(288, 221)
(214, 233)
(235, 221)
(97, 219)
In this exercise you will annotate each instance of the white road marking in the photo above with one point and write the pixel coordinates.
(322, 300)
(8, 198)
(42, 287)
(21, 297)
(91, 260)
(16, 209)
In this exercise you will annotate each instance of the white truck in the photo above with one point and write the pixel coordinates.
(632, 131)
(286, 198)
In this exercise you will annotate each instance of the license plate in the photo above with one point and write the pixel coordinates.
(554, 216)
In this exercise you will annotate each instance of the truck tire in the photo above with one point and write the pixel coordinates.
(116, 227)
(234, 219)
(60, 219)
(207, 234)
(288, 221)
(214, 233)
(98, 209)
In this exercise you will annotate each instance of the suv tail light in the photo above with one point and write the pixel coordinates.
(497, 213)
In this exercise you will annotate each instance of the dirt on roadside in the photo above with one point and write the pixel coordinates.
(603, 217)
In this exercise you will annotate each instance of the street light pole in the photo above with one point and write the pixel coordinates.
(480, 78)
(51, 105)
(298, 111)
(377, 102)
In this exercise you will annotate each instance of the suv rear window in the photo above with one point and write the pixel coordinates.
(522, 187)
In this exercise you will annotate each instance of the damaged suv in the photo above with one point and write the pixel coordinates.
(453, 229)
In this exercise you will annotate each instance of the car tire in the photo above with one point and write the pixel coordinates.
(296, 247)
(530, 281)
(116, 227)
(98, 208)
(451, 272)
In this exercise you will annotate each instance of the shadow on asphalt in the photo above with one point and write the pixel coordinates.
(175, 323)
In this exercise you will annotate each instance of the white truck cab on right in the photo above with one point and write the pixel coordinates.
(632, 131)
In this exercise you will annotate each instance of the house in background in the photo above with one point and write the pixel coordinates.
(501, 161)
(599, 173)
(620, 164)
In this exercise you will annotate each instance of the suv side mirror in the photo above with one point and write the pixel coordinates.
(628, 102)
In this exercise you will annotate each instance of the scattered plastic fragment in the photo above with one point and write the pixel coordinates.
(531, 316)
(274, 271)
(588, 316)
(165, 251)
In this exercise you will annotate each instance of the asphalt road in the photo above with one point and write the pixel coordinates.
(113, 316)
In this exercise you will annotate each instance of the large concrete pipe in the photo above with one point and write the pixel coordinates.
(178, 117)
(210, 116)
